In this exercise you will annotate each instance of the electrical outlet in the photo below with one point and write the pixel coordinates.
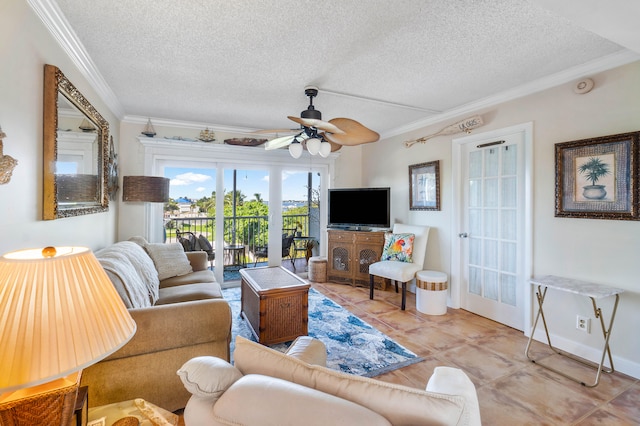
(583, 324)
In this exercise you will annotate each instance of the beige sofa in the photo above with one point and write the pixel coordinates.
(179, 312)
(266, 387)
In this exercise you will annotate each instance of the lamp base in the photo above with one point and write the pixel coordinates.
(51, 403)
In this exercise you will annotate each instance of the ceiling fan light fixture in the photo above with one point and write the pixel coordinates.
(325, 149)
(295, 149)
(313, 145)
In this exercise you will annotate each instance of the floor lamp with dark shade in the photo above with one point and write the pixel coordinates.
(59, 313)
(152, 189)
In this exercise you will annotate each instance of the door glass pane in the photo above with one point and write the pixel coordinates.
(491, 285)
(475, 193)
(475, 164)
(246, 213)
(491, 254)
(475, 281)
(491, 193)
(508, 254)
(475, 255)
(508, 225)
(491, 161)
(475, 224)
(301, 213)
(191, 207)
(491, 223)
(509, 195)
(508, 289)
(509, 159)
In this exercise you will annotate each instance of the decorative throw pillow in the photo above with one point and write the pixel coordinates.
(398, 247)
(170, 259)
(208, 376)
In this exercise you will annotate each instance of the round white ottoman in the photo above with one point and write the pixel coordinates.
(318, 269)
(431, 292)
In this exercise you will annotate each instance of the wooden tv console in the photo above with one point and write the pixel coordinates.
(350, 254)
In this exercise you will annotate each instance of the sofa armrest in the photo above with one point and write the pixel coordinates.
(176, 325)
(198, 259)
(453, 381)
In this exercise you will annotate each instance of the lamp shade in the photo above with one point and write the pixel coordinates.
(295, 149)
(152, 189)
(313, 146)
(325, 149)
(59, 313)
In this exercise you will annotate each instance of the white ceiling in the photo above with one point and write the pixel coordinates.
(393, 65)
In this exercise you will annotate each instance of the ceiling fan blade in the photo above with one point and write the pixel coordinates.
(354, 133)
(280, 142)
(318, 124)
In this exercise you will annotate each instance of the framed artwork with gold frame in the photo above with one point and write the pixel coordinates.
(597, 178)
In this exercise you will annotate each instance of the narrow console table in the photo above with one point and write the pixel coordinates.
(590, 290)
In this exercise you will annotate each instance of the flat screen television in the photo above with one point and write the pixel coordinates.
(359, 208)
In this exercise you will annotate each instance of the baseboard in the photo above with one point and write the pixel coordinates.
(621, 365)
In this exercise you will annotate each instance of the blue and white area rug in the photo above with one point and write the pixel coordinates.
(353, 346)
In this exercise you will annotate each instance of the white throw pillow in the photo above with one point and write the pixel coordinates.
(169, 259)
(208, 376)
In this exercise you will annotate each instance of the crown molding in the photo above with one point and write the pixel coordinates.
(57, 24)
(605, 63)
(181, 124)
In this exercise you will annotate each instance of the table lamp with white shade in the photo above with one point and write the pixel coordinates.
(59, 313)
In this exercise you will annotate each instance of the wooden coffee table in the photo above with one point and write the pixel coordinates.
(275, 304)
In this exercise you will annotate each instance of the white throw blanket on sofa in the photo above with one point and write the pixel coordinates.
(134, 267)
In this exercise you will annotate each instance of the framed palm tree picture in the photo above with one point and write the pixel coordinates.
(597, 178)
(424, 186)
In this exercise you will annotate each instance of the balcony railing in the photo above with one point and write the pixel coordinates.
(250, 231)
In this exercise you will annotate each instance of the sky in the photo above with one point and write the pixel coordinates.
(197, 183)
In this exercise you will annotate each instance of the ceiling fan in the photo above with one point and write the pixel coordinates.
(322, 137)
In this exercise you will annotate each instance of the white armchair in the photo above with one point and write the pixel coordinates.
(398, 271)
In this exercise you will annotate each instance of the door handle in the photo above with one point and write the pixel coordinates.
(463, 235)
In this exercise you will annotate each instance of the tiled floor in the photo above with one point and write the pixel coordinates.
(511, 389)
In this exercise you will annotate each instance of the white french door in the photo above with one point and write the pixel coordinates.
(494, 225)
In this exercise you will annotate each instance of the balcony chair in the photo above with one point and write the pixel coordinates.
(402, 271)
(262, 252)
(190, 242)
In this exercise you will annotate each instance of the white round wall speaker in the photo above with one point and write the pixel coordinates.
(583, 86)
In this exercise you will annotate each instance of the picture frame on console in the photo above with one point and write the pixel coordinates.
(424, 186)
(597, 178)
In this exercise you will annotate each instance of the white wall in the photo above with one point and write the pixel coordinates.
(26, 46)
(603, 251)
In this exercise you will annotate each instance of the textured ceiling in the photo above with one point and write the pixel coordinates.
(385, 63)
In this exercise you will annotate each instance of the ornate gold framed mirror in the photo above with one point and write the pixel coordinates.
(75, 141)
